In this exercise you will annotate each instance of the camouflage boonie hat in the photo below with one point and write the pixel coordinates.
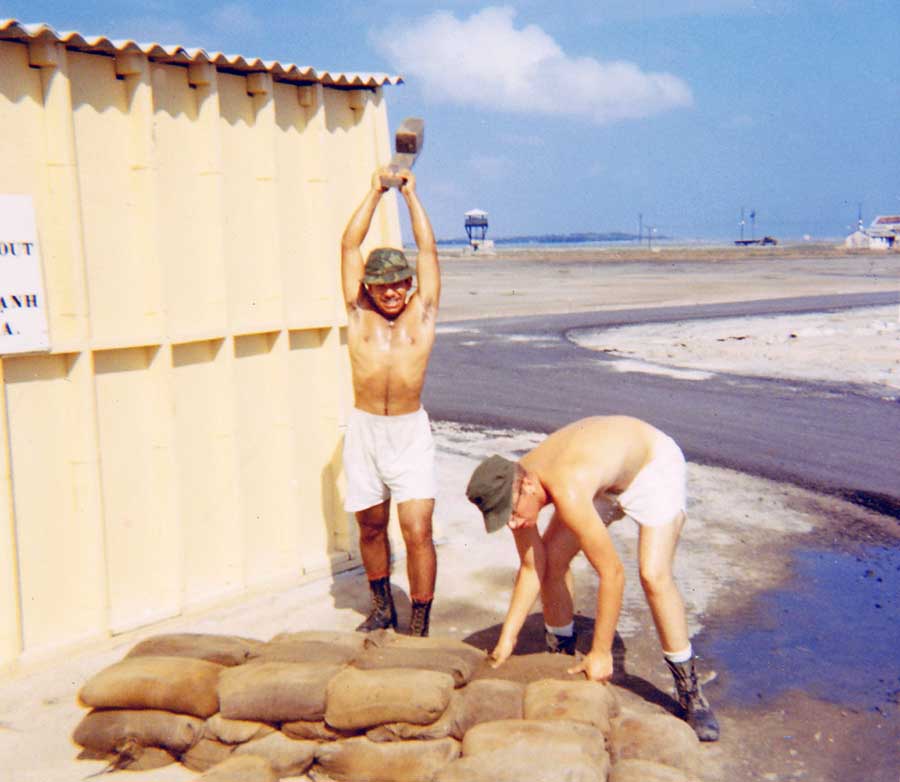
(386, 265)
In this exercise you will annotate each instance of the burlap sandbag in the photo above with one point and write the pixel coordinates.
(459, 659)
(361, 760)
(288, 651)
(647, 771)
(288, 757)
(364, 699)
(130, 756)
(317, 730)
(457, 665)
(527, 668)
(206, 753)
(312, 646)
(660, 738)
(351, 640)
(443, 726)
(234, 731)
(515, 764)
(486, 700)
(102, 731)
(225, 650)
(180, 684)
(246, 768)
(275, 692)
(583, 701)
(536, 736)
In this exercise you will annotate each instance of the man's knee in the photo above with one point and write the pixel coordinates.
(656, 578)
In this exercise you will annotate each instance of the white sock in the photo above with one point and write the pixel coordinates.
(565, 631)
(679, 657)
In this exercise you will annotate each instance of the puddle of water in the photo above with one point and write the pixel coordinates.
(833, 632)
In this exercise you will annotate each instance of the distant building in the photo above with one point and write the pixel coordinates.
(881, 234)
(476, 230)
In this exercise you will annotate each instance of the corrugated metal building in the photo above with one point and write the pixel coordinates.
(179, 444)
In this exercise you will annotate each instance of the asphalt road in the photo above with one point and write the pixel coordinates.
(524, 373)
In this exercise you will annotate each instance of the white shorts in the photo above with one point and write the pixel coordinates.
(658, 492)
(388, 456)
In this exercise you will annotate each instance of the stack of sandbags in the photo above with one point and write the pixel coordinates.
(348, 707)
(150, 709)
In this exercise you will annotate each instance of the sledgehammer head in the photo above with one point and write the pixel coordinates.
(408, 142)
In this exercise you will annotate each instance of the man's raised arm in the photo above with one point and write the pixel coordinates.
(352, 263)
(428, 282)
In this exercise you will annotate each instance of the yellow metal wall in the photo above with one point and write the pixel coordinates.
(181, 442)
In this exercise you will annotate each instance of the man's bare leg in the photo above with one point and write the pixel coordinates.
(421, 560)
(558, 588)
(375, 549)
(656, 553)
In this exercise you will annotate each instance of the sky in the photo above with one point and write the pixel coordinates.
(594, 115)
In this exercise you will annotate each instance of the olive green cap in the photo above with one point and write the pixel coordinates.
(386, 265)
(490, 488)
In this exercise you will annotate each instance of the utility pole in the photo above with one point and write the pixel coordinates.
(742, 223)
(640, 227)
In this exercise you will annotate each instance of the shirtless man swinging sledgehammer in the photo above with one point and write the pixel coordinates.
(609, 457)
(388, 447)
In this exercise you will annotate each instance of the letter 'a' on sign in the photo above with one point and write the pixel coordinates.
(23, 304)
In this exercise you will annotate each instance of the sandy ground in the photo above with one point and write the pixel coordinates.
(736, 546)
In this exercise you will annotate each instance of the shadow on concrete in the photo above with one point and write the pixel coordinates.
(531, 641)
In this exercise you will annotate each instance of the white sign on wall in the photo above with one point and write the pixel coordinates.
(23, 305)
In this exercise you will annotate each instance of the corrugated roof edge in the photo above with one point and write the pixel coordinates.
(12, 29)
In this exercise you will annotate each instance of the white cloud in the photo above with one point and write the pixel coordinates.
(486, 61)
(237, 19)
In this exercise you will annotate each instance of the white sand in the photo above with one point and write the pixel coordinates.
(851, 346)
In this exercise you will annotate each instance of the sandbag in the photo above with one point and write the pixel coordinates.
(316, 730)
(234, 731)
(527, 668)
(383, 639)
(443, 726)
(102, 731)
(361, 760)
(131, 756)
(180, 684)
(647, 771)
(364, 699)
(300, 651)
(582, 701)
(275, 692)
(205, 754)
(534, 737)
(288, 757)
(246, 768)
(518, 764)
(486, 700)
(349, 639)
(225, 650)
(458, 666)
(660, 738)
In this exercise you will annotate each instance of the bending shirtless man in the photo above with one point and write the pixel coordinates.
(388, 448)
(595, 459)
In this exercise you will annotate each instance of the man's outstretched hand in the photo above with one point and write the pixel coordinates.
(597, 666)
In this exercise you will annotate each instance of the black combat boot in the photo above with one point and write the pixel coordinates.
(418, 620)
(695, 709)
(383, 614)
(560, 644)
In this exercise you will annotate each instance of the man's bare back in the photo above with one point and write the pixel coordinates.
(592, 456)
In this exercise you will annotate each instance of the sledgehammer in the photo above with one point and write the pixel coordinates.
(408, 142)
